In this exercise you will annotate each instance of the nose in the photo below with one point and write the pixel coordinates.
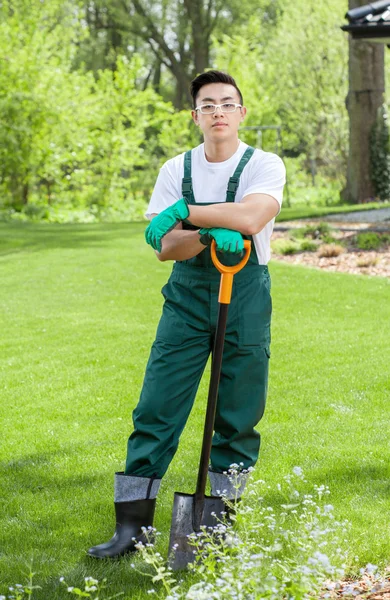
(218, 112)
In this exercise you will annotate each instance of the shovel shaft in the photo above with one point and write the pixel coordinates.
(216, 365)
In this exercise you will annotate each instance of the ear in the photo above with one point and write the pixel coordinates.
(243, 113)
(194, 116)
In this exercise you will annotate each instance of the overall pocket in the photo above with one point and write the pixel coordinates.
(173, 326)
(255, 309)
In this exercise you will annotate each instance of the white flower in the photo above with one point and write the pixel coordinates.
(370, 569)
(298, 471)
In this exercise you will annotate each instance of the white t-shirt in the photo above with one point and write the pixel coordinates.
(265, 173)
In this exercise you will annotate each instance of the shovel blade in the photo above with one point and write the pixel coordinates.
(181, 552)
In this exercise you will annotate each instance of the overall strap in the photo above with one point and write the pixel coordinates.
(186, 183)
(235, 178)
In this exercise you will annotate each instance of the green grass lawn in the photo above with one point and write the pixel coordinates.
(79, 309)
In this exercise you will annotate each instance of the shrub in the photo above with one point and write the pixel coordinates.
(308, 246)
(329, 250)
(317, 231)
(367, 261)
(283, 246)
(328, 239)
(312, 231)
(368, 241)
(299, 233)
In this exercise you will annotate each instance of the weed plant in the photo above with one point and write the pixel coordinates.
(261, 551)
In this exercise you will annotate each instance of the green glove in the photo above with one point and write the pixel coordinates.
(165, 222)
(227, 240)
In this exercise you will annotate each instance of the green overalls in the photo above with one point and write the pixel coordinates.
(179, 354)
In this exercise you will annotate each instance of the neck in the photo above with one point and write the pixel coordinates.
(219, 152)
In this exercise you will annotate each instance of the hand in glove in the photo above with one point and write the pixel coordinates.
(164, 222)
(227, 240)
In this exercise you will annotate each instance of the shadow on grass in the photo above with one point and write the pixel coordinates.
(20, 237)
(54, 516)
(35, 473)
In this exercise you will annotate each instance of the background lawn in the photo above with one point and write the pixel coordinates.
(79, 308)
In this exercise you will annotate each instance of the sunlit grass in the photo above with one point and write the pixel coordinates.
(79, 309)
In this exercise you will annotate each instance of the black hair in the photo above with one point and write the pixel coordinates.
(212, 77)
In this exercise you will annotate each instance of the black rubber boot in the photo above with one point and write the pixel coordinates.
(130, 518)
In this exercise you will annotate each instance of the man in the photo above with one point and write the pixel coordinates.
(222, 190)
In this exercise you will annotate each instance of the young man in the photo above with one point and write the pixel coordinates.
(221, 190)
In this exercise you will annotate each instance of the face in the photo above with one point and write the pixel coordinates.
(220, 125)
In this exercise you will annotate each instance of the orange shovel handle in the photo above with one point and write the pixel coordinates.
(225, 289)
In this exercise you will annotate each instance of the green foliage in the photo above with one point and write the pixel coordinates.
(308, 246)
(71, 141)
(380, 155)
(82, 142)
(385, 237)
(37, 41)
(368, 241)
(287, 551)
(285, 246)
(293, 74)
(315, 231)
(323, 189)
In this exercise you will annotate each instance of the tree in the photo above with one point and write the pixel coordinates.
(365, 97)
(294, 75)
(68, 137)
(176, 35)
(36, 41)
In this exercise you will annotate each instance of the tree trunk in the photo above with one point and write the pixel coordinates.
(365, 96)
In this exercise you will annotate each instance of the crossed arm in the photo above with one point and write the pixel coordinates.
(248, 217)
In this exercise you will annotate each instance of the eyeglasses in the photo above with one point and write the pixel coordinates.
(209, 109)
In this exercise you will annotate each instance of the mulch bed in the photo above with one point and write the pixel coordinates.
(370, 586)
(351, 260)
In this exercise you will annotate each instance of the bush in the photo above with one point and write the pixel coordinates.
(308, 246)
(385, 237)
(330, 250)
(368, 241)
(283, 246)
(367, 261)
(317, 231)
(328, 239)
(314, 232)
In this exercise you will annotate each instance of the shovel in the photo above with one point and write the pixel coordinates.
(193, 511)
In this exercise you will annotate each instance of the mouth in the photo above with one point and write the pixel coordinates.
(220, 125)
